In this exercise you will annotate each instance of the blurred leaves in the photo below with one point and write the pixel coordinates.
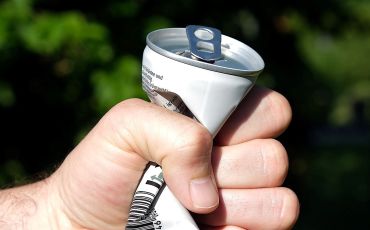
(69, 33)
(359, 10)
(248, 24)
(53, 34)
(124, 8)
(340, 59)
(7, 97)
(348, 164)
(12, 171)
(155, 23)
(13, 14)
(119, 83)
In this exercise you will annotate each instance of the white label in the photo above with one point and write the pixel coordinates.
(208, 96)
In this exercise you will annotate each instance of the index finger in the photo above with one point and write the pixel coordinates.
(264, 113)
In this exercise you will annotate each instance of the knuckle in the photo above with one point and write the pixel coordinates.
(276, 162)
(120, 124)
(200, 134)
(289, 211)
(282, 207)
(123, 107)
(195, 143)
(279, 106)
(131, 103)
(284, 108)
(189, 152)
(200, 138)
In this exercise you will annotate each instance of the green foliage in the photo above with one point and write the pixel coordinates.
(119, 83)
(124, 8)
(13, 14)
(13, 171)
(68, 32)
(15, 11)
(359, 10)
(7, 97)
(340, 60)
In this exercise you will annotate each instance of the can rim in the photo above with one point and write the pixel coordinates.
(230, 46)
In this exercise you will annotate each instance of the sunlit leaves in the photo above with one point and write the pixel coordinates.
(120, 82)
(13, 13)
(341, 59)
(69, 33)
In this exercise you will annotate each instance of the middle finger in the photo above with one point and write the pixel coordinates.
(264, 113)
(253, 164)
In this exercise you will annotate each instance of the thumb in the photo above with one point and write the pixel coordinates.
(98, 179)
(181, 146)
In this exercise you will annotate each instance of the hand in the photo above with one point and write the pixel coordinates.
(94, 186)
(250, 166)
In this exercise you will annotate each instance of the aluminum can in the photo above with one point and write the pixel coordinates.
(203, 74)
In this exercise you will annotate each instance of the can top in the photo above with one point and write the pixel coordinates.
(201, 48)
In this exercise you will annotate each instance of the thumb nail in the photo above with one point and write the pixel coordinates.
(203, 192)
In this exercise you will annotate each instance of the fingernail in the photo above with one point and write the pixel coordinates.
(203, 192)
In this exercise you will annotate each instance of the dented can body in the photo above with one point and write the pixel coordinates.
(204, 87)
(203, 74)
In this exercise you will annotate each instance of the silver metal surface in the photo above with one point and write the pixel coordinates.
(204, 42)
(236, 57)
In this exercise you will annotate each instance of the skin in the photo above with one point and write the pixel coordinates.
(237, 188)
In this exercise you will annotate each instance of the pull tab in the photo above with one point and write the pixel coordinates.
(204, 42)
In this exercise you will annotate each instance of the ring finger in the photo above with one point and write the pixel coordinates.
(253, 164)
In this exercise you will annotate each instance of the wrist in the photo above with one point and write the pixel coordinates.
(31, 207)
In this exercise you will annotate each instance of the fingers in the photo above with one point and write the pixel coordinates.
(107, 165)
(269, 208)
(182, 147)
(253, 164)
(264, 113)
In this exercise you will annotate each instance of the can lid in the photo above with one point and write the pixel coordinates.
(235, 57)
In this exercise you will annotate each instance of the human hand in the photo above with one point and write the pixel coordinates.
(250, 166)
(94, 186)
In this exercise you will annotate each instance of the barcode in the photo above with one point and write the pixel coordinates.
(141, 217)
(142, 214)
(140, 205)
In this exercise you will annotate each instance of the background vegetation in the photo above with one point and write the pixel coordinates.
(63, 64)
